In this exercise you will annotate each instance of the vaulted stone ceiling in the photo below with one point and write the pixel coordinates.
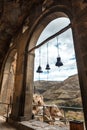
(12, 16)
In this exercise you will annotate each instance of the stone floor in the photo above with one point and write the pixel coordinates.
(4, 125)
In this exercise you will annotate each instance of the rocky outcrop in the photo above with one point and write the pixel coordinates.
(46, 113)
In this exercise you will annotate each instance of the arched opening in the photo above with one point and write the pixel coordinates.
(65, 50)
(60, 86)
(8, 81)
(32, 43)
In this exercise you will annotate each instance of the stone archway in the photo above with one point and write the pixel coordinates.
(24, 96)
(30, 56)
(8, 79)
(30, 60)
(80, 64)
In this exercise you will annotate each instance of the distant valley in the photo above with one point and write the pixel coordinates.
(65, 93)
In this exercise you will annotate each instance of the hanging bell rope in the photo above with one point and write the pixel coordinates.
(47, 53)
(57, 46)
(59, 62)
(51, 37)
(39, 69)
(47, 66)
(39, 56)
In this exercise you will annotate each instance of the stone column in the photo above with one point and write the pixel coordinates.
(18, 97)
(7, 82)
(22, 97)
(29, 86)
(23, 93)
(79, 28)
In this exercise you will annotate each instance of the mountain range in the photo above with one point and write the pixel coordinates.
(63, 93)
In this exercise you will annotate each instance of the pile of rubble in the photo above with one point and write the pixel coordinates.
(46, 113)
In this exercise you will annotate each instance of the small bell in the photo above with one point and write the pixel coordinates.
(59, 63)
(39, 70)
(47, 67)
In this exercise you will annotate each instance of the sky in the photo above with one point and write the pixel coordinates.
(66, 52)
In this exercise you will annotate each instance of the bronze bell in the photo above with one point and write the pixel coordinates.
(59, 63)
(47, 67)
(39, 70)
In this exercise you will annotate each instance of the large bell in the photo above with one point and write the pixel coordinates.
(47, 67)
(59, 63)
(39, 70)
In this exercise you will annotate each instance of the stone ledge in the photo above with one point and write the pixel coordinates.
(35, 125)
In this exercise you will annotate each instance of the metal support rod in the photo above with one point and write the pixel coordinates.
(39, 56)
(47, 54)
(58, 46)
(51, 37)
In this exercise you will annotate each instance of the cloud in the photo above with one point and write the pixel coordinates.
(53, 27)
(66, 51)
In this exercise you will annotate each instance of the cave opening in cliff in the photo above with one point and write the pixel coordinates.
(21, 29)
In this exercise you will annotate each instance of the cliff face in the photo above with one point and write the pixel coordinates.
(65, 93)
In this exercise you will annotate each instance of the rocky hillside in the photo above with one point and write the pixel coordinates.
(65, 93)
